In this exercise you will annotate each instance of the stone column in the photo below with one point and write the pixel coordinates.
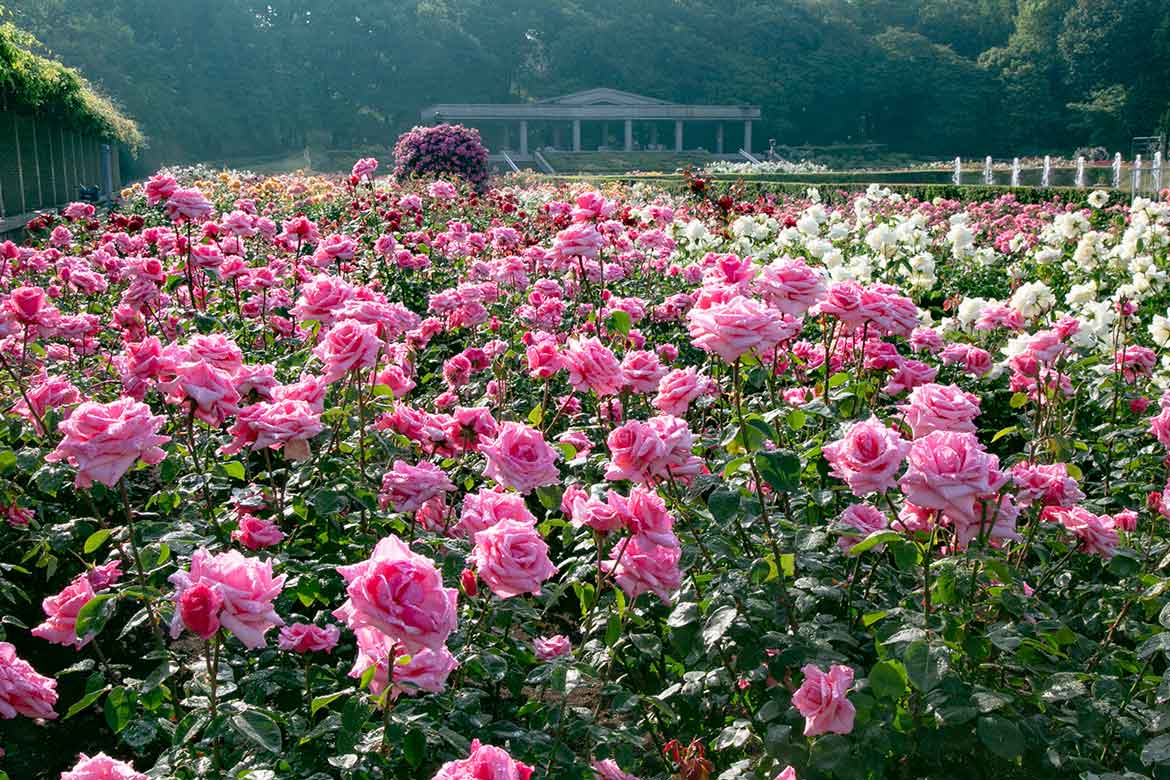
(629, 135)
(719, 138)
(654, 134)
(523, 137)
(678, 135)
(747, 136)
(576, 135)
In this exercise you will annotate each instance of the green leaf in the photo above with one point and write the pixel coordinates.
(92, 618)
(324, 701)
(683, 614)
(1001, 736)
(780, 469)
(414, 747)
(119, 709)
(1008, 431)
(887, 680)
(620, 321)
(925, 665)
(86, 701)
(723, 503)
(259, 727)
(536, 416)
(1164, 616)
(1157, 751)
(234, 469)
(717, 625)
(354, 715)
(1156, 643)
(1018, 400)
(96, 540)
(873, 540)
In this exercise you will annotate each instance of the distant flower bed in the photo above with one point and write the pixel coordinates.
(346, 477)
(764, 167)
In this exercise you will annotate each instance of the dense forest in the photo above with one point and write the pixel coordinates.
(216, 79)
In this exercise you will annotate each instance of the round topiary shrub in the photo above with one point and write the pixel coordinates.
(442, 149)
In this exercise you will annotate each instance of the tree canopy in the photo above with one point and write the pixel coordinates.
(227, 78)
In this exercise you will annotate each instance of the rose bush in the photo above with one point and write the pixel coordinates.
(354, 478)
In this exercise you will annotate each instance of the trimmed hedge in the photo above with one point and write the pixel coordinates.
(39, 86)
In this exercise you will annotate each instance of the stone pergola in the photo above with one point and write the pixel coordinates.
(595, 108)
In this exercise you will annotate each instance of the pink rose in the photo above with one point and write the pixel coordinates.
(22, 690)
(308, 638)
(61, 614)
(160, 187)
(644, 514)
(790, 286)
(102, 441)
(1050, 484)
(821, 700)
(787, 773)
(401, 594)
(739, 326)
(520, 458)
(489, 506)
(864, 519)
(210, 391)
(1097, 533)
(485, 763)
(948, 471)
(364, 168)
(245, 587)
(940, 408)
(101, 767)
(608, 769)
(198, 609)
(285, 425)
(348, 346)
(659, 447)
(407, 487)
(256, 533)
(593, 366)
(549, 647)
(426, 671)
(639, 566)
(868, 458)
(187, 205)
(680, 387)
(512, 558)
(642, 370)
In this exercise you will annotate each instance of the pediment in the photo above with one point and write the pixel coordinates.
(603, 96)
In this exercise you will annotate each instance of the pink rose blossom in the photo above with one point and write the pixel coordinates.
(739, 326)
(101, 767)
(489, 506)
(245, 586)
(940, 408)
(821, 700)
(520, 458)
(407, 487)
(256, 533)
(484, 763)
(639, 565)
(308, 638)
(22, 690)
(399, 593)
(868, 458)
(512, 558)
(102, 441)
(549, 647)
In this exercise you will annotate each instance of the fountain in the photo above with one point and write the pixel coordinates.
(1137, 175)
(1046, 174)
(1156, 171)
(1117, 171)
(988, 173)
(958, 177)
(1081, 172)
(1015, 171)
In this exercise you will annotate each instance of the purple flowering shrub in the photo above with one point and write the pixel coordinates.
(443, 149)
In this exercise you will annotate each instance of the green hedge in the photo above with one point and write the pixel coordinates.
(39, 86)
